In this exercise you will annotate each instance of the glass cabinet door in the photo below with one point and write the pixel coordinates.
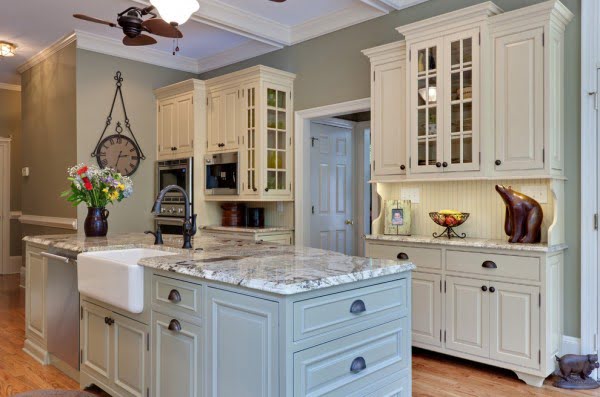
(461, 135)
(277, 155)
(249, 140)
(425, 95)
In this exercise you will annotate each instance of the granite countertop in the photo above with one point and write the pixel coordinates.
(244, 229)
(279, 269)
(469, 242)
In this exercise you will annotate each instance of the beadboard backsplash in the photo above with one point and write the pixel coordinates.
(479, 198)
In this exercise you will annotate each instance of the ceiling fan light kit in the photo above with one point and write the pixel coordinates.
(7, 49)
(176, 11)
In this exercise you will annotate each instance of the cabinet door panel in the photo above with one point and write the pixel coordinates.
(131, 356)
(177, 358)
(519, 100)
(515, 324)
(389, 121)
(426, 308)
(216, 113)
(243, 345)
(467, 316)
(230, 120)
(36, 268)
(250, 132)
(95, 342)
(167, 112)
(184, 136)
(277, 142)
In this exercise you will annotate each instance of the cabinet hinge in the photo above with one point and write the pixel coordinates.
(410, 162)
(147, 392)
(444, 336)
(148, 341)
(373, 165)
(243, 186)
(479, 38)
(81, 356)
(440, 335)
(207, 144)
(290, 186)
(543, 155)
(440, 292)
(312, 210)
(543, 39)
(479, 158)
(539, 356)
(290, 94)
(81, 312)
(373, 75)
(206, 101)
(540, 299)
(445, 287)
(192, 100)
(596, 221)
(192, 143)
(409, 55)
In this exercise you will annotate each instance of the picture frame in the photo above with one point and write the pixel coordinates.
(397, 217)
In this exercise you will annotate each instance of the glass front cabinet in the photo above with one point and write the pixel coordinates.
(265, 133)
(444, 106)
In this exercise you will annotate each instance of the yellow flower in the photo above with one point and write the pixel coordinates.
(114, 195)
(105, 190)
(121, 186)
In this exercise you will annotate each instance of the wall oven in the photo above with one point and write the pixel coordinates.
(175, 172)
(222, 174)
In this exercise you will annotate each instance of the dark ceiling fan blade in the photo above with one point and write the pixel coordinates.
(96, 20)
(140, 40)
(278, 1)
(159, 27)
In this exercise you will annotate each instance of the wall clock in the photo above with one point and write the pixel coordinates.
(118, 151)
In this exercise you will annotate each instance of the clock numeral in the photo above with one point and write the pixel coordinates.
(105, 146)
(102, 154)
(135, 158)
(112, 142)
(126, 171)
(126, 143)
(104, 162)
(131, 165)
(119, 140)
(131, 150)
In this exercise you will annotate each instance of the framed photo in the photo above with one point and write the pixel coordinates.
(397, 217)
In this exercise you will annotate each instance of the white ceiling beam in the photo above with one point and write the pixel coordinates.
(390, 5)
(248, 50)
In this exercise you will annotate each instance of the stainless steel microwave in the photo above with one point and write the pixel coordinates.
(222, 174)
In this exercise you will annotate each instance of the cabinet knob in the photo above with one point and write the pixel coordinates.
(174, 296)
(358, 364)
(444, 164)
(402, 256)
(266, 189)
(254, 189)
(402, 167)
(174, 326)
(358, 306)
(483, 288)
(498, 162)
(489, 265)
(438, 164)
(492, 290)
(108, 321)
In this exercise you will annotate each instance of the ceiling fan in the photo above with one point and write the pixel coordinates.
(133, 24)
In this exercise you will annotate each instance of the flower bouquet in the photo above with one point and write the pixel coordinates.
(96, 188)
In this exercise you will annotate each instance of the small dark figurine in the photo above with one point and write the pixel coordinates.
(574, 371)
(523, 216)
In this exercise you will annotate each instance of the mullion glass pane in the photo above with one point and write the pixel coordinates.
(271, 139)
(421, 121)
(281, 99)
(271, 118)
(432, 151)
(271, 97)
(467, 50)
(421, 60)
(432, 60)
(455, 150)
(467, 149)
(455, 53)
(467, 116)
(432, 121)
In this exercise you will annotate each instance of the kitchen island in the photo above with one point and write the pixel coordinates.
(241, 318)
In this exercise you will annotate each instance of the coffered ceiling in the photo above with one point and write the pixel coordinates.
(220, 33)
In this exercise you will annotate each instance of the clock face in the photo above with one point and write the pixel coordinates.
(120, 153)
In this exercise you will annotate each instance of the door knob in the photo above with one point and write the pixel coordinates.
(349, 222)
(438, 164)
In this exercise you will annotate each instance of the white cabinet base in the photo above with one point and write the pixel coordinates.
(531, 380)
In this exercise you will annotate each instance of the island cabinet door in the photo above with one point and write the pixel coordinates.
(35, 296)
(242, 346)
(467, 316)
(177, 357)
(131, 358)
(426, 309)
(515, 324)
(95, 342)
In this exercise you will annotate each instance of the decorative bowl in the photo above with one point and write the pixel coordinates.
(449, 218)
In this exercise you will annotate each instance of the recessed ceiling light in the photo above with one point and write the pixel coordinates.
(7, 49)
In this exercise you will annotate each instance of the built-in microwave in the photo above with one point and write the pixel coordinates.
(175, 172)
(222, 174)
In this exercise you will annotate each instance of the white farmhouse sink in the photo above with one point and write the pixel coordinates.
(115, 277)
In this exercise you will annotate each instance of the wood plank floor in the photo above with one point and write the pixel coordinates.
(434, 375)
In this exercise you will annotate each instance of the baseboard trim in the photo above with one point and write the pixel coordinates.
(14, 265)
(49, 221)
(35, 351)
(570, 345)
(65, 368)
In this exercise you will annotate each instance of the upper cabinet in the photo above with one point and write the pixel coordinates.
(483, 95)
(250, 111)
(180, 116)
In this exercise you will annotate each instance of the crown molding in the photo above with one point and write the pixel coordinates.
(396, 49)
(10, 87)
(180, 88)
(47, 52)
(240, 53)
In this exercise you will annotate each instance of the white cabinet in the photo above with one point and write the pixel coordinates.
(115, 351)
(179, 118)
(223, 120)
(36, 268)
(177, 357)
(427, 308)
(388, 109)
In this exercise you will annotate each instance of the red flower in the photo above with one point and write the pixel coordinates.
(82, 170)
(87, 184)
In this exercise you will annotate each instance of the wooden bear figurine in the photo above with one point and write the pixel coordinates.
(523, 216)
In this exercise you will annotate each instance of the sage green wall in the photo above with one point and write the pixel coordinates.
(10, 126)
(95, 90)
(49, 137)
(331, 69)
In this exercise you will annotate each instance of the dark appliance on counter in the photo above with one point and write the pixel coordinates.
(222, 171)
(255, 217)
(174, 172)
(234, 214)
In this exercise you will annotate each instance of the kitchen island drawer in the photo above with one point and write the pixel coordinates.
(345, 365)
(350, 311)
(430, 258)
(507, 266)
(174, 294)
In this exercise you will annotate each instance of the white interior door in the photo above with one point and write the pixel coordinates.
(331, 188)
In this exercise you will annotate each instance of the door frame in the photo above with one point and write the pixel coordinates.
(590, 67)
(302, 121)
(5, 209)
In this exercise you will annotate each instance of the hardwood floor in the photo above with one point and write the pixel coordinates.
(434, 375)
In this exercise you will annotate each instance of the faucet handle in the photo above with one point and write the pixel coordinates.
(158, 239)
(193, 226)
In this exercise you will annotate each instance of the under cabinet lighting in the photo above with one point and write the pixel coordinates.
(176, 11)
(7, 49)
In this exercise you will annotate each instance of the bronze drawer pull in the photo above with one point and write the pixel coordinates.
(108, 321)
(358, 364)
(358, 306)
(174, 326)
(484, 288)
(489, 265)
(492, 290)
(174, 296)
(402, 256)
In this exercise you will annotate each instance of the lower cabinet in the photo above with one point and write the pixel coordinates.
(177, 357)
(35, 296)
(427, 309)
(115, 351)
(243, 350)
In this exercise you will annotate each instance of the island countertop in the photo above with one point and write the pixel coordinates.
(279, 269)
